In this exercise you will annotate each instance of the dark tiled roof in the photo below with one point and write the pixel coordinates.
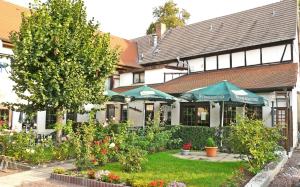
(254, 78)
(267, 24)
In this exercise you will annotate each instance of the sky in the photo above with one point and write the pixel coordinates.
(131, 18)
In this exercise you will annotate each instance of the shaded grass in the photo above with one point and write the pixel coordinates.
(194, 173)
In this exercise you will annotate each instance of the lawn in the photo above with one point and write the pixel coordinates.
(194, 173)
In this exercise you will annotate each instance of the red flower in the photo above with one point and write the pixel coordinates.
(187, 146)
(156, 183)
(97, 142)
(113, 178)
(241, 170)
(106, 139)
(104, 151)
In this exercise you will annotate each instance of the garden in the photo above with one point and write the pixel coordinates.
(145, 157)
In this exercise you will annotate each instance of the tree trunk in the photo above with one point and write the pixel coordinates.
(59, 123)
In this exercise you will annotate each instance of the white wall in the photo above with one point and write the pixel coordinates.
(296, 48)
(215, 115)
(126, 79)
(224, 61)
(155, 76)
(175, 113)
(196, 64)
(269, 55)
(266, 112)
(136, 118)
(238, 59)
(294, 103)
(253, 57)
(211, 63)
(274, 54)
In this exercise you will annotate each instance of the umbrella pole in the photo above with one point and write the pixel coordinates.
(222, 124)
(144, 111)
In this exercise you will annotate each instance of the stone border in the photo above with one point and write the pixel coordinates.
(265, 177)
(82, 181)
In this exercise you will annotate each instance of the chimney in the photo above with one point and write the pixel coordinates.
(160, 29)
(154, 40)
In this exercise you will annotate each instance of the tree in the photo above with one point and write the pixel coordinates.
(170, 15)
(60, 58)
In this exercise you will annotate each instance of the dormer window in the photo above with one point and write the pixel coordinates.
(138, 77)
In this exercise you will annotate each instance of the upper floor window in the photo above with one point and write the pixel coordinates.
(139, 77)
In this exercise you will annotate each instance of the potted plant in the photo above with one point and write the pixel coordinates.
(211, 148)
(186, 149)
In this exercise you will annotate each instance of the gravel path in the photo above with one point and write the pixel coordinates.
(289, 176)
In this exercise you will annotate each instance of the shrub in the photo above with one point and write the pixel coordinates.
(131, 159)
(195, 134)
(210, 142)
(257, 142)
(59, 170)
(83, 142)
(20, 145)
(41, 152)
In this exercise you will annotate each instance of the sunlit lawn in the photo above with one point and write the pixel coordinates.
(169, 168)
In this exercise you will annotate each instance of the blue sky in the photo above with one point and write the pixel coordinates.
(130, 18)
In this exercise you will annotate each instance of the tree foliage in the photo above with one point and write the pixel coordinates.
(170, 15)
(60, 59)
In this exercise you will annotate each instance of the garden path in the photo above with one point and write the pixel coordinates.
(29, 176)
(290, 173)
(201, 155)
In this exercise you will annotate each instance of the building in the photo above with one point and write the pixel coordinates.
(256, 49)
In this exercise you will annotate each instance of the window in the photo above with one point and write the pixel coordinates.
(229, 114)
(165, 113)
(149, 111)
(202, 115)
(4, 116)
(110, 111)
(72, 116)
(50, 118)
(254, 112)
(124, 112)
(138, 77)
(195, 114)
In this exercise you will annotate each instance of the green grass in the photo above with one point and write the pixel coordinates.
(194, 173)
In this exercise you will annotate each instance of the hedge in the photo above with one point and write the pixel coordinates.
(198, 136)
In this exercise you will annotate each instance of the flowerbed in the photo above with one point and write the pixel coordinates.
(24, 147)
(82, 181)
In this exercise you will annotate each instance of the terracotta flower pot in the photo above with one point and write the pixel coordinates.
(211, 151)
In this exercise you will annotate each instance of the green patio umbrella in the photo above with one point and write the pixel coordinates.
(146, 93)
(223, 91)
(114, 96)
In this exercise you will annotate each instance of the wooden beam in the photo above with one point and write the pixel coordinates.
(245, 58)
(282, 56)
(260, 51)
